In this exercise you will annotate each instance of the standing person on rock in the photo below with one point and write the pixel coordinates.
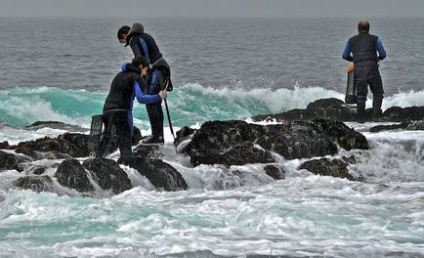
(117, 110)
(144, 45)
(366, 51)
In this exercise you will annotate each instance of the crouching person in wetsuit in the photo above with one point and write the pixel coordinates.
(143, 45)
(362, 50)
(117, 110)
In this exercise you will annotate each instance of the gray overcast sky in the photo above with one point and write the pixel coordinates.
(212, 8)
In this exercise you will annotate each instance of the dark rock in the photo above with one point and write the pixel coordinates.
(4, 145)
(227, 142)
(160, 174)
(410, 125)
(108, 174)
(35, 183)
(239, 143)
(274, 172)
(321, 109)
(325, 167)
(55, 125)
(10, 161)
(71, 173)
(416, 126)
(380, 128)
(148, 151)
(64, 146)
(184, 134)
(345, 136)
(335, 109)
(39, 171)
(398, 114)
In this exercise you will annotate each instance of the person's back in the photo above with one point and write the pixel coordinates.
(143, 44)
(364, 47)
(120, 92)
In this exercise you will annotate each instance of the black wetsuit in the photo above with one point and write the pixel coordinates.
(143, 45)
(117, 110)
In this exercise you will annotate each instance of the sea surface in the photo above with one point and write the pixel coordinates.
(60, 69)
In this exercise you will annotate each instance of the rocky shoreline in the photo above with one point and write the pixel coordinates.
(315, 133)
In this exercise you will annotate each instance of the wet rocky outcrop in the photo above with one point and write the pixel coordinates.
(36, 183)
(276, 172)
(239, 143)
(336, 109)
(72, 174)
(314, 132)
(108, 174)
(411, 125)
(327, 167)
(10, 161)
(160, 174)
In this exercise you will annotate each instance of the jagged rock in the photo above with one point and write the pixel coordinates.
(35, 183)
(10, 161)
(64, 146)
(148, 151)
(239, 143)
(55, 125)
(416, 126)
(398, 114)
(380, 128)
(275, 172)
(4, 145)
(39, 170)
(71, 173)
(345, 136)
(108, 174)
(336, 109)
(325, 167)
(160, 174)
(228, 143)
(411, 125)
(182, 135)
(321, 109)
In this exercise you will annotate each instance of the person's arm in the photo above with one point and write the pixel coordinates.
(135, 47)
(144, 98)
(380, 49)
(346, 53)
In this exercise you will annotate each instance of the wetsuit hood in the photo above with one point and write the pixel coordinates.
(136, 28)
(128, 67)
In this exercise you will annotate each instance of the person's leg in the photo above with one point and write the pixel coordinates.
(156, 114)
(123, 133)
(376, 87)
(361, 89)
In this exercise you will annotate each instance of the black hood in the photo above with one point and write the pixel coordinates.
(136, 29)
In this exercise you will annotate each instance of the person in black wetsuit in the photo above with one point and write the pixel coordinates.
(117, 110)
(362, 50)
(143, 45)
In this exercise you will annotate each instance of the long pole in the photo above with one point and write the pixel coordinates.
(167, 113)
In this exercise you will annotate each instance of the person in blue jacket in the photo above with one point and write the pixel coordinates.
(366, 51)
(142, 44)
(127, 85)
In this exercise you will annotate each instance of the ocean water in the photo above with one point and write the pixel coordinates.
(55, 69)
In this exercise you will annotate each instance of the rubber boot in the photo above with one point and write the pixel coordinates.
(360, 107)
(376, 108)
